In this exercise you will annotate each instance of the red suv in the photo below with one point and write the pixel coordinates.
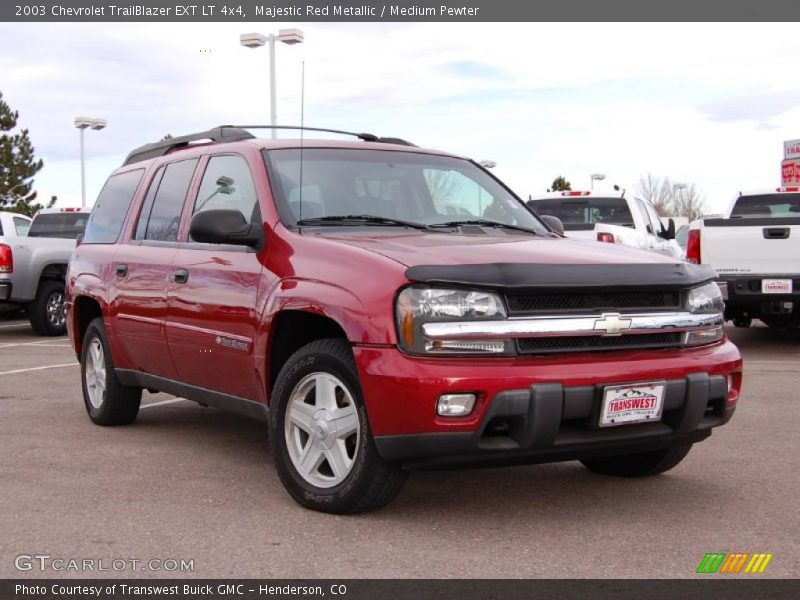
(384, 307)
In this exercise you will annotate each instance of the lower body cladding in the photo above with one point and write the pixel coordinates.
(557, 415)
(775, 299)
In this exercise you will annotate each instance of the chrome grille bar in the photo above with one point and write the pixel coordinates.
(606, 324)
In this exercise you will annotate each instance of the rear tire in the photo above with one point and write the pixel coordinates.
(320, 437)
(643, 464)
(107, 401)
(46, 312)
(742, 322)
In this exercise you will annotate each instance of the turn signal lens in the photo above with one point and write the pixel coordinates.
(604, 236)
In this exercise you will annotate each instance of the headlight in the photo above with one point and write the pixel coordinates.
(705, 299)
(416, 306)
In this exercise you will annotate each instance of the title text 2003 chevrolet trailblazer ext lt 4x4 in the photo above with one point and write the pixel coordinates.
(384, 307)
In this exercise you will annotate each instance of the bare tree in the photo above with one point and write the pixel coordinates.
(689, 202)
(656, 190)
(670, 199)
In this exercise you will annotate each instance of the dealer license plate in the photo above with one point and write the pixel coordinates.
(632, 403)
(776, 286)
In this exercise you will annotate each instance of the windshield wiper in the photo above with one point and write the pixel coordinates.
(348, 219)
(483, 223)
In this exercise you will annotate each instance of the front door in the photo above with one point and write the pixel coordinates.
(212, 322)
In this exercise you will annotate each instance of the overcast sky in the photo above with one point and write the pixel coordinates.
(701, 103)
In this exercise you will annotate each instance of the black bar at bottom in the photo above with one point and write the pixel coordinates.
(704, 587)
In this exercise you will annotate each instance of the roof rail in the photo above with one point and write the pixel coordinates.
(235, 133)
(367, 137)
(163, 147)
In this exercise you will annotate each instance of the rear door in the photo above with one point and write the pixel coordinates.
(212, 319)
(143, 268)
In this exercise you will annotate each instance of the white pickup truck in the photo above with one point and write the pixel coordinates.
(13, 224)
(610, 217)
(755, 249)
(32, 267)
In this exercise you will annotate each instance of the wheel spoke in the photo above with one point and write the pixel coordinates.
(346, 420)
(302, 415)
(311, 458)
(337, 459)
(325, 392)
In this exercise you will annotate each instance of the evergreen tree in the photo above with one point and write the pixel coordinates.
(560, 184)
(18, 165)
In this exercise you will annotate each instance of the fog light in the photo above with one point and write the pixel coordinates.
(455, 405)
(703, 336)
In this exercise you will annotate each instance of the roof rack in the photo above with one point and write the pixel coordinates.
(221, 134)
(237, 133)
(367, 137)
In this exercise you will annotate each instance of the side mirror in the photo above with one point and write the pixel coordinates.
(669, 232)
(554, 223)
(224, 226)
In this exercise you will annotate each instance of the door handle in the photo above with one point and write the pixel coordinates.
(181, 276)
(776, 233)
(122, 270)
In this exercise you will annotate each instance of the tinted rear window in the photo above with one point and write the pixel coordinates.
(585, 211)
(767, 205)
(111, 207)
(161, 214)
(68, 225)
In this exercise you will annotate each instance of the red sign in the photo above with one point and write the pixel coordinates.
(790, 172)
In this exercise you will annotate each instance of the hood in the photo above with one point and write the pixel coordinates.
(413, 248)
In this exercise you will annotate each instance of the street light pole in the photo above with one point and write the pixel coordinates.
(83, 169)
(256, 40)
(596, 177)
(83, 123)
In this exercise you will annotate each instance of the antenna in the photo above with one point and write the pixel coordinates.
(302, 131)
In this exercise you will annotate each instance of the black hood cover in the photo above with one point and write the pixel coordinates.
(517, 276)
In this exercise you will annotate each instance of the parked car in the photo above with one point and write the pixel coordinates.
(13, 224)
(755, 248)
(608, 217)
(321, 287)
(33, 267)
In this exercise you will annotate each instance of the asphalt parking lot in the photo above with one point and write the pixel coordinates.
(187, 482)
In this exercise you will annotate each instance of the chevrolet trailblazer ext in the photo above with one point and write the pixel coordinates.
(384, 307)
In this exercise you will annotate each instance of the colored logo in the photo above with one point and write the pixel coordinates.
(734, 562)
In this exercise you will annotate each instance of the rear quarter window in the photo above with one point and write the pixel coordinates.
(66, 225)
(111, 208)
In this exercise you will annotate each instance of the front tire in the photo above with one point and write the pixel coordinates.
(107, 401)
(320, 437)
(46, 312)
(643, 464)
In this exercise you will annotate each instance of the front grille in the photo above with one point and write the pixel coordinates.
(550, 345)
(593, 301)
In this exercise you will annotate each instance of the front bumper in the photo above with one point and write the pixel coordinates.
(539, 409)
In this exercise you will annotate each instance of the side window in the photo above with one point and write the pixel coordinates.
(228, 184)
(21, 225)
(111, 207)
(160, 218)
(655, 220)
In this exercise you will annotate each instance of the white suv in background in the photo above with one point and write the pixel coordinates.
(610, 217)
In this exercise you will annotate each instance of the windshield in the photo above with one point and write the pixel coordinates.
(59, 225)
(767, 205)
(585, 211)
(415, 188)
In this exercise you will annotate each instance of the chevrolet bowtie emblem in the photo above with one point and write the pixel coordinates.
(612, 324)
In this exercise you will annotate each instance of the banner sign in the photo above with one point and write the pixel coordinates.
(400, 10)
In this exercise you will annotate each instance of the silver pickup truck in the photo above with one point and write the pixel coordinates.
(32, 267)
